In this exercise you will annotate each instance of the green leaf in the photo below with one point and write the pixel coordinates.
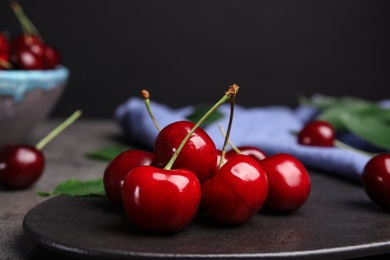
(371, 125)
(326, 102)
(363, 118)
(107, 153)
(335, 115)
(200, 111)
(73, 187)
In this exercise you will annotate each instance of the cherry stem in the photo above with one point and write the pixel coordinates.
(231, 92)
(229, 142)
(146, 96)
(345, 146)
(58, 129)
(341, 145)
(5, 64)
(228, 130)
(27, 25)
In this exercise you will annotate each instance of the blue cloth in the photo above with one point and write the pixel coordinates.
(268, 128)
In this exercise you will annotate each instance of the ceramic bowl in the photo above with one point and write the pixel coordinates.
(26, 99)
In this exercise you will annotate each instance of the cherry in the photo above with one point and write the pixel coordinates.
(161, 200)
(237, 192)
(239, 187)
(317, 133)
(4, 44)
(26, 39)
(376, 179)
(197, 150)
(288, 183)
(22, 165)
(25, 59)
(4, 52)
(198, 155)
(251, 151)
(52, 57)
(117, 170)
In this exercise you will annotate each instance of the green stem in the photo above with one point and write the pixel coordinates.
(341, 145)
(5, 64)
(27, 25)
(205, 116)
(235, 148)
(228, 131)
(58, 130)
(146, 96)
(345, 146)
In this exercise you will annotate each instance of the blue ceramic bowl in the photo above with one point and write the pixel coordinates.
(26, 99)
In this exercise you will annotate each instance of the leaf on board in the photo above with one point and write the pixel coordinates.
(73, 187)
(107, 153)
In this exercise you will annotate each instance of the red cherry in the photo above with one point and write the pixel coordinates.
(251, 151)
(317, 133)
(4, 44)
(219, 157)
(161, 200)
(198, 155)
(20, 166)
(376, 180)
(38, 49)
(23, 40)
(52, 57)
(26, 60)
(4, 52)
(236, 192)
(289, 183)
(117, 170)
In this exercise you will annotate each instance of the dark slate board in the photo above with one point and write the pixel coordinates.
(337, 221)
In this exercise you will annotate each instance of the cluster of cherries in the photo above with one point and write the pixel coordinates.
(376, 174)
(163, 191)
(27, 51)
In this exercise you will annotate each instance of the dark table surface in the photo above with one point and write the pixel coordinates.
(66, 158)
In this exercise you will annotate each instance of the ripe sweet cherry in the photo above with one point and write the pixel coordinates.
(117, 170)
(376, 179)
(317, 133)
(288, 183)
(22, 165)
(198, 155)
(236, 192)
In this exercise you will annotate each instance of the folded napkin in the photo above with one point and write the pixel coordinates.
(268, 128)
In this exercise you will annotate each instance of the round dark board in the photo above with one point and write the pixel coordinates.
(337, 221)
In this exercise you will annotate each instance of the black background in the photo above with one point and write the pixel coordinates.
(189, 52)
